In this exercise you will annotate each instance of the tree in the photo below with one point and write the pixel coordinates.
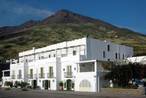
(122, 74)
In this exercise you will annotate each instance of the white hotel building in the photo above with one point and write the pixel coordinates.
(75, 63)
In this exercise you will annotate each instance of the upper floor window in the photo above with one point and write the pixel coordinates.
(54, 55)
(74, 52)
(104, 54)
(119, 55)
(49, 56)
(69, 69)
(31, 71)
(123, 56)
(50, 69)
(116, 55)
(108, 47)
(87, 67)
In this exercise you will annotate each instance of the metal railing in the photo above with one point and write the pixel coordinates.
(42, 75)
(13, 76)
(50, 75)
(32, 76)
(19, 76)
(68, 74)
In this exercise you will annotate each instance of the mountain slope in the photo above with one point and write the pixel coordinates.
(64, 25)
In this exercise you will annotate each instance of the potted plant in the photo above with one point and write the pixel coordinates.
(61, 85)
(9, 84)
(24, 86)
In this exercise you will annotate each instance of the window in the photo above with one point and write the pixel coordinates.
(41, 72)
(74, 52)
(108, 47)
(104, 54)
(42, 57)
(54, 55)
(69, 69)
(74, 68)
(87, 67)
(19, 74)
(68, 73)
(31, 73)
(123, 56)
(49, 56)
(50, 74)
(116, 55)
(119, 55)
(13, 74)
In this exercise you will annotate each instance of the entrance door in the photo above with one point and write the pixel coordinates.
(46, 84)
(69, 84)
(34, 84)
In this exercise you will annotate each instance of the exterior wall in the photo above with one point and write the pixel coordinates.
(14, 71)
(64, 54)
(95, 49)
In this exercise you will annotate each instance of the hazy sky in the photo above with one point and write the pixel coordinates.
(123, 13)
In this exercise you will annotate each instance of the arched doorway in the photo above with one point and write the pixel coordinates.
(85, 85)
(68, 84)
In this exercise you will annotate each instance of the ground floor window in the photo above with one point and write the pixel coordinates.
(85, 83)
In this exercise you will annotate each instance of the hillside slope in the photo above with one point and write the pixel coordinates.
(62, 26)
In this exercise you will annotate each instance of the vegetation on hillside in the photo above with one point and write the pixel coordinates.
(64, 26)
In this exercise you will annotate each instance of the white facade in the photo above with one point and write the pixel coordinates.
(48, 66)
(137, 59)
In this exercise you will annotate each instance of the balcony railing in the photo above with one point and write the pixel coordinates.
(13, 76)
(68, 75)
(42, 75)
(19, 76)
(30, 76)
(50, 75)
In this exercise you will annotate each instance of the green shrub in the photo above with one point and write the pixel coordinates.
(8, 83)
(24, 84)
(17, 83)
(60, 83)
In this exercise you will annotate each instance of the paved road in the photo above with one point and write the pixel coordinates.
(17, 93)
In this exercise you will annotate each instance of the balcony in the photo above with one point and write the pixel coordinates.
(42, 75)
(19, 76)
(30, 76)
(13, 76)
(50, 75)
(68, 75)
